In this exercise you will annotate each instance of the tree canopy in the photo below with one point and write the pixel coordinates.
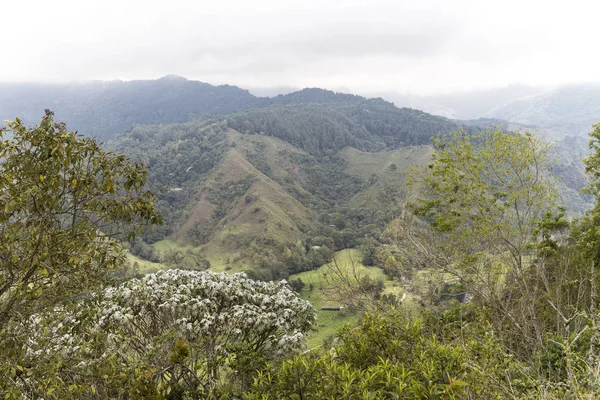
(65, 204)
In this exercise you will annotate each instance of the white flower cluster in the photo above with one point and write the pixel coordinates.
(203, 304)
(210, 311)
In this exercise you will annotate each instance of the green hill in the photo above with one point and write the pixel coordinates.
(260, 188)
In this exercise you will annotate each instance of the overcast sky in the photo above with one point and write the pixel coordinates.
(411, 46)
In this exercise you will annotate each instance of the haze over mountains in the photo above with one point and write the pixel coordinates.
(105, 108)
(568, 110)
(249, 178)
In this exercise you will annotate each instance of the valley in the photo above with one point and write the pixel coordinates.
(283, 190)
(317, 189)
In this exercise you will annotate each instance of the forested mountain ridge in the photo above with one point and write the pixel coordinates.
(251, 186)
(371, 125)
(103, 109)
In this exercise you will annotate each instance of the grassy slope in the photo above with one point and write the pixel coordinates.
(329, 322)
(145, 266)
(281, 214)
(273, 212)
(380, 165)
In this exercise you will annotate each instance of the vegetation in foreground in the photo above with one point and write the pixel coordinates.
(512, 307)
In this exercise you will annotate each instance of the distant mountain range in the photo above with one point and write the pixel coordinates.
(263, 181)
(559, 112)
(103, 109)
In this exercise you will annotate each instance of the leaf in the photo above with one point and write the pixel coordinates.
(11, 205)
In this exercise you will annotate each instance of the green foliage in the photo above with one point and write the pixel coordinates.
(488, 183)
(64, 205)
(222, 195)
(62, 199)
(371, 125)
(490, 203)
(179, 157)
(391, 356)
(484, 197)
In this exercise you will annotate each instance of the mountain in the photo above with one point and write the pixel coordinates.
(567, 111)
(369, 125)
(103, 109)
(464, 105)
(266, 186)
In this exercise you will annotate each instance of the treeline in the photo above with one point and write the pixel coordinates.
(371, 125)
(509, 308)
(105, 109)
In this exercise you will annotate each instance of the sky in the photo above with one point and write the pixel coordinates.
(419, 47)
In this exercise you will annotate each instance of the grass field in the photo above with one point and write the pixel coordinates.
(168, 244)
(329, 322)
(145, 266)
(316, 284)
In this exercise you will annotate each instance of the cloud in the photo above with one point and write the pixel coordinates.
(408, 46)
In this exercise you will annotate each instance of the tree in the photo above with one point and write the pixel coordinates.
(198, 333)
(64, 205)
(483, 197)
(489, 204)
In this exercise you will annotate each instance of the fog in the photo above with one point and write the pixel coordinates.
(414, 47)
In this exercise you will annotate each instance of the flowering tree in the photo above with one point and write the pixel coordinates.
(198, 333)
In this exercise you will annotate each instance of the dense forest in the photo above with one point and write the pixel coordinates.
(190, 256)
(500, 289)
(104, 109)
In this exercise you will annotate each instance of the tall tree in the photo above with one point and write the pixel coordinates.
(64, 203)
(484, 197)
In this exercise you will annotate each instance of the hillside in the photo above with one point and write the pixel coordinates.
(371, 125)
(263, 187)
(567, 111)
(105, 108)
